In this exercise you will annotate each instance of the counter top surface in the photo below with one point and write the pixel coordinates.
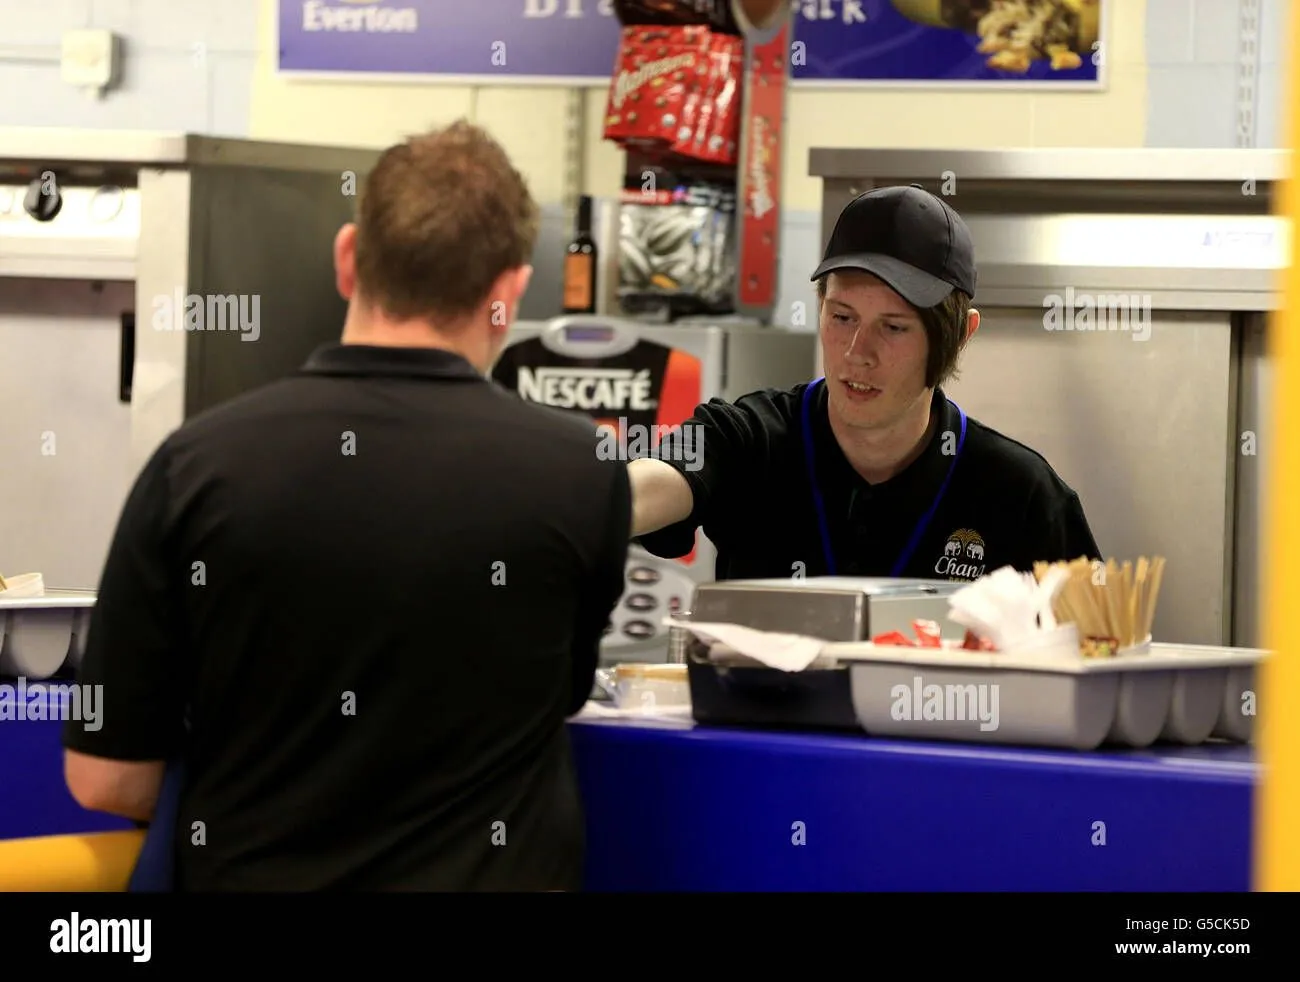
(1221, 760)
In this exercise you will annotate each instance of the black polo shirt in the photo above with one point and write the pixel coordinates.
(1004, 505)
(379, 586)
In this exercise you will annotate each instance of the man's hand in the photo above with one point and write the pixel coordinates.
(660, 495)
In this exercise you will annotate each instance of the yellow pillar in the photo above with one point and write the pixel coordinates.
(96, 863)
(1277, 821)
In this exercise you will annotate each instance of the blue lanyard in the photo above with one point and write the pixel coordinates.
(820, 505)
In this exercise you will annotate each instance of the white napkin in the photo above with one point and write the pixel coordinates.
(1006, 607)
(788, 652)
(24, 586)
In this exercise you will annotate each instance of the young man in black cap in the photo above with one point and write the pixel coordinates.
(871, 470)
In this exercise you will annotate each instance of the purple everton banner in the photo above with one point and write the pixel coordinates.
(934, 43)
(572, 42)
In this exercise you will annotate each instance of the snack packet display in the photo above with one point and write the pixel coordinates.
(657, 68)
(674, 92)
(678, 246)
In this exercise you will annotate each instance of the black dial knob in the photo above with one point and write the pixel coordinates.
(43, 201)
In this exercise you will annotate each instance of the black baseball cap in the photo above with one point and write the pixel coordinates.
(909, 238)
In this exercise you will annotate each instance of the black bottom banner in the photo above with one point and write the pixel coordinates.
(134, 933)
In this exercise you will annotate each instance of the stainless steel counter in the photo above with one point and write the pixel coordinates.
(53, 145)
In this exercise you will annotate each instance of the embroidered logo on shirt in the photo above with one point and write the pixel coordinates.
(963, 556)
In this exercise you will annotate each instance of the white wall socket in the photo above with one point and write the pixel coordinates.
(89, 59)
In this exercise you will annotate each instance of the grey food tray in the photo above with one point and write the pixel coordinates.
(38, 635)
(1184, 694)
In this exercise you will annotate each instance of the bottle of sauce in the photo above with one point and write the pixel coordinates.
(580, 263)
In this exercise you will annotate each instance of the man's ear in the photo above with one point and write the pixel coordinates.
(345, 261)
(506, 296)
(972, 323)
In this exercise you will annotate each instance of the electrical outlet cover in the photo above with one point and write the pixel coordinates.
(87, 58)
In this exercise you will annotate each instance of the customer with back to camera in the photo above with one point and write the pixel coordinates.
(406, 576)
(873, 470)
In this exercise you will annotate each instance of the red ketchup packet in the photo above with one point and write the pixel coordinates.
(973, 642)
(928, 634)
(894, 638)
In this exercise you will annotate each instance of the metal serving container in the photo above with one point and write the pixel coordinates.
(836, 609)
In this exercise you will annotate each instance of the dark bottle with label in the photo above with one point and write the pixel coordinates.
(580, 263)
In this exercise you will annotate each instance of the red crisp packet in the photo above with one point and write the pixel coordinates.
(894, 638)
(701, 147)
(622, 108)
(724, 122)
(656, 65)
(689, 138)
(972, 642)
(928, 634)
(700, 102)
(680, 139)
(676, 93)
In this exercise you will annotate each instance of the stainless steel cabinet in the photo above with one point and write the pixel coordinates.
(105, 235)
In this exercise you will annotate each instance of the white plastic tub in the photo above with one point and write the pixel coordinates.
(36, 633)
(1235, 711)
(1050, 696)
(80, 627)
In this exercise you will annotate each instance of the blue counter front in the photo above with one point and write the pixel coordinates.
(696, 808)
(672, 806)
